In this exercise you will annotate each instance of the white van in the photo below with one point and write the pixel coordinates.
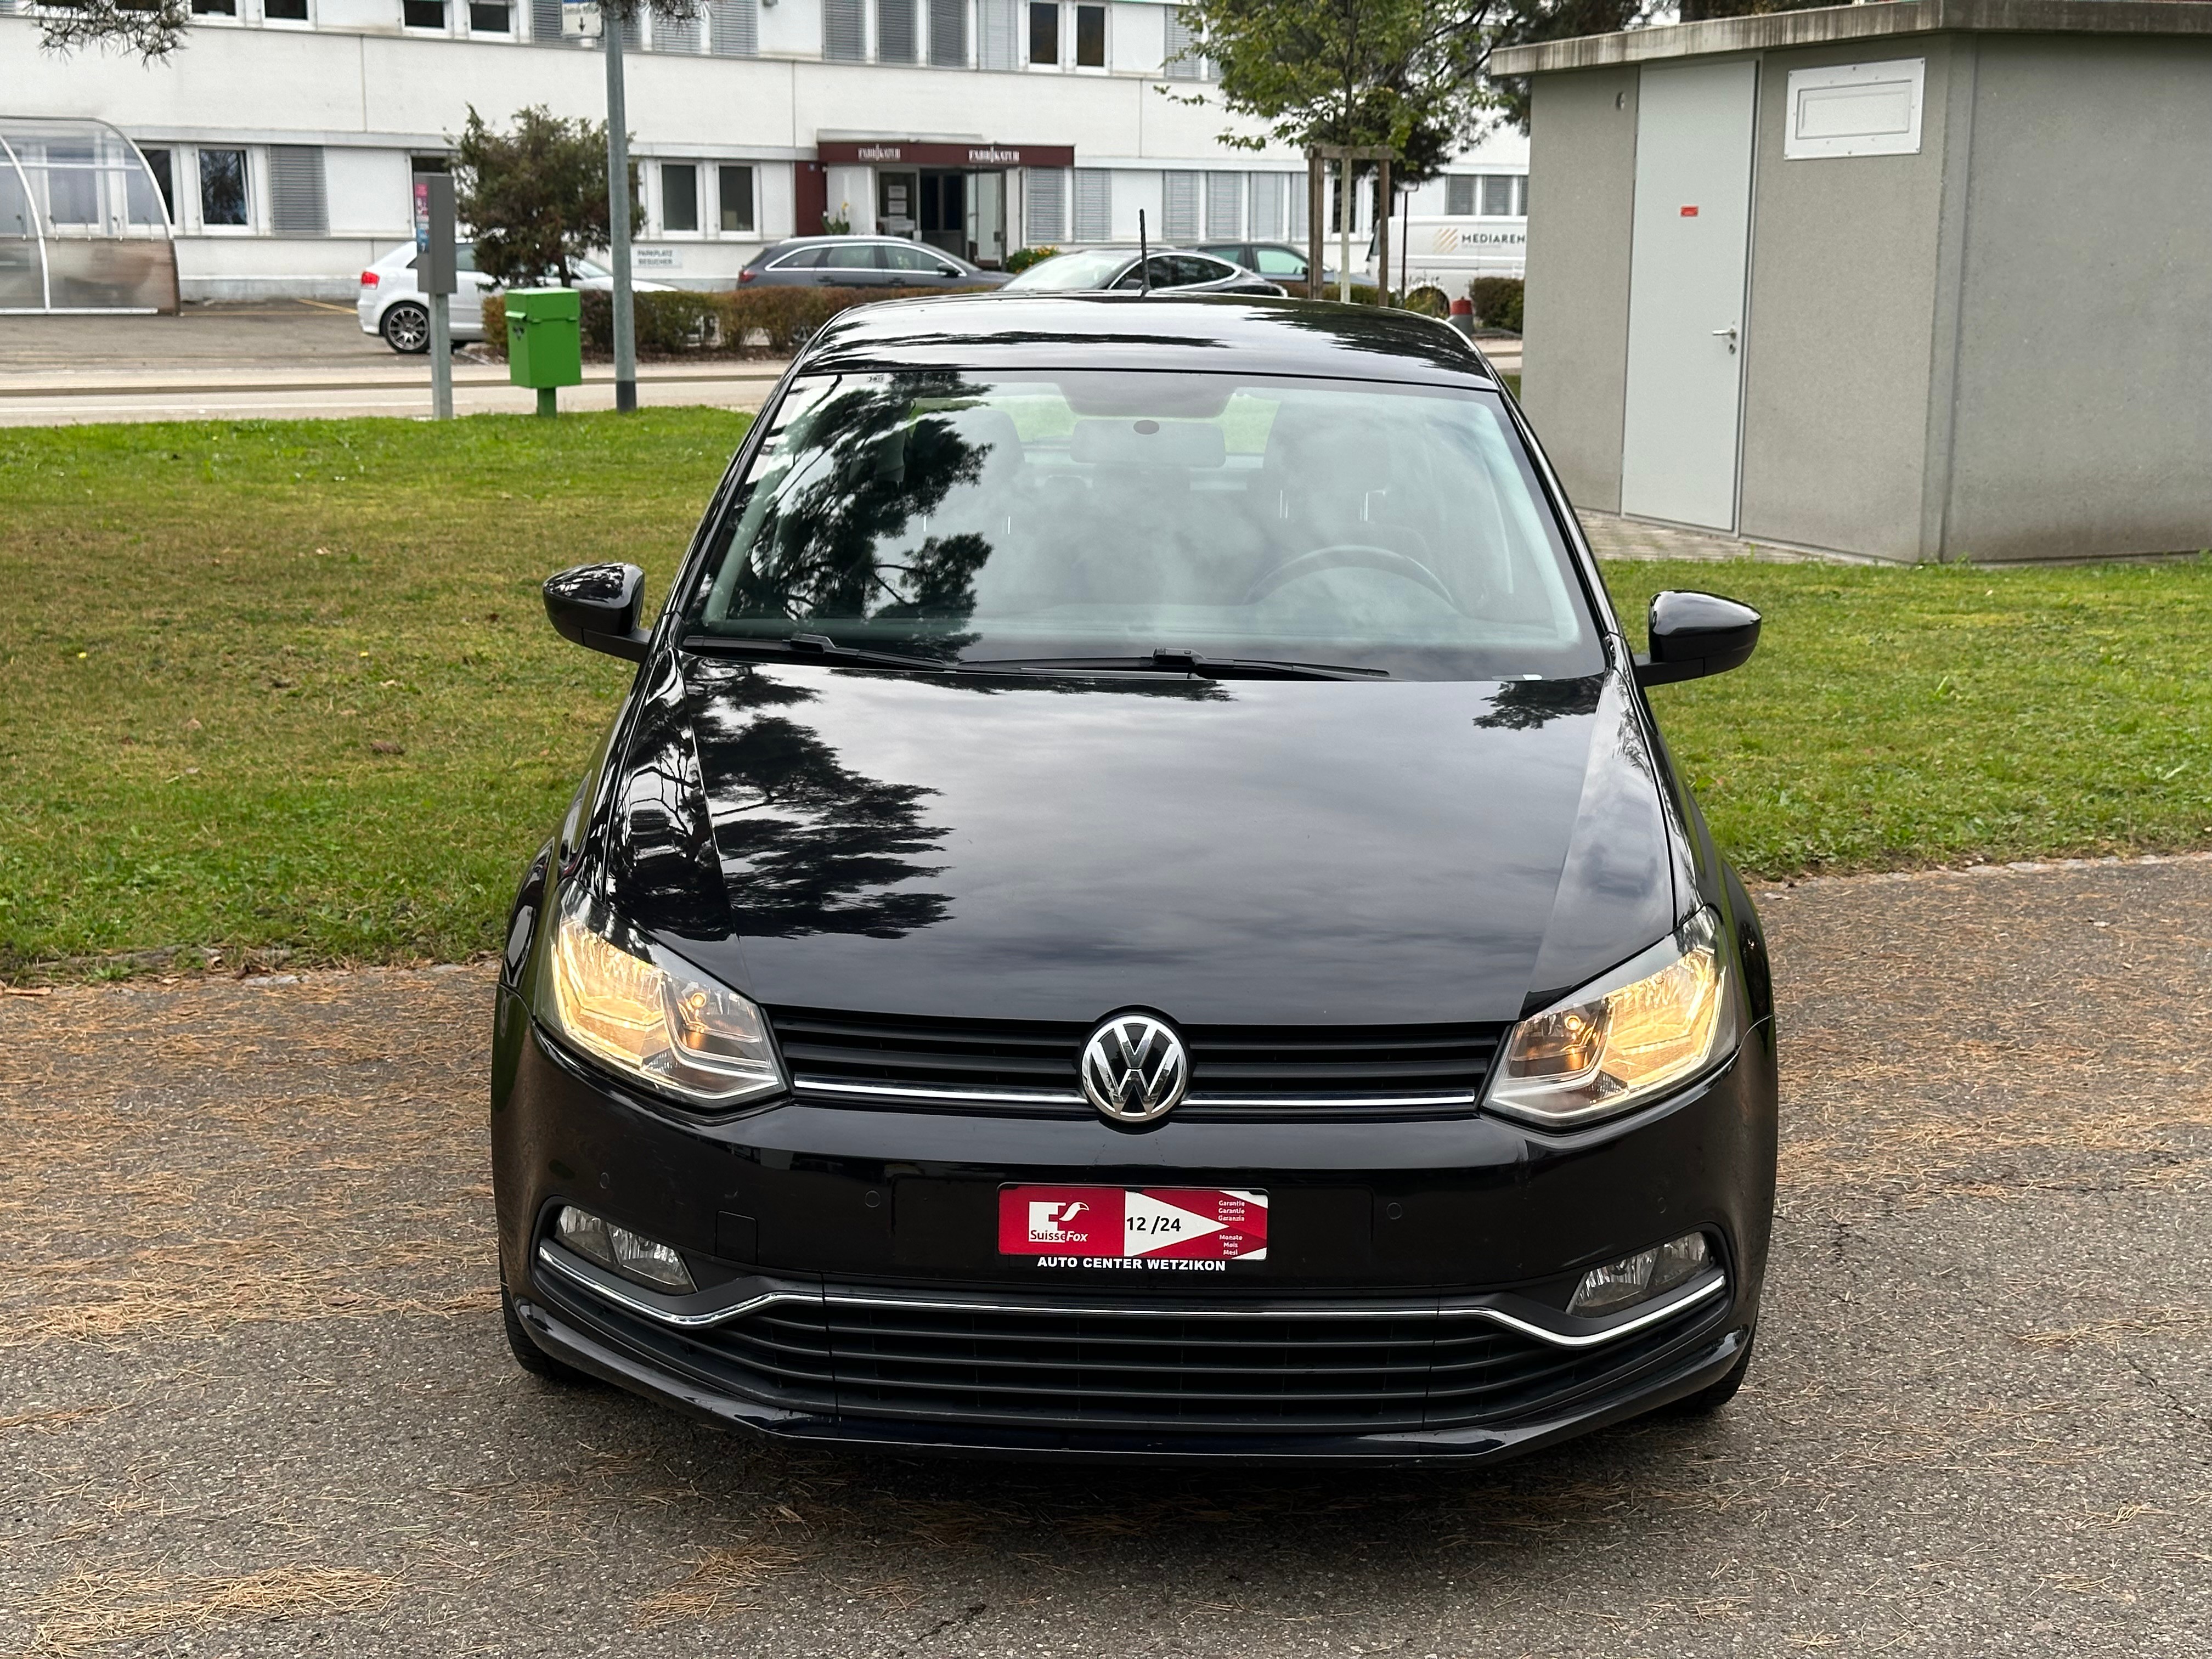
(1448, 251)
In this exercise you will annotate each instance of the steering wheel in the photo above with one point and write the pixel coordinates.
(1348, 556)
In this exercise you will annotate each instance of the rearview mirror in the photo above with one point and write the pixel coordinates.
(1693, 634)
(597, 605)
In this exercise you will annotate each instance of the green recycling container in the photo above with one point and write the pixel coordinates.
(544, 337)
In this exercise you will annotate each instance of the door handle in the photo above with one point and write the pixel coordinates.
(1728, 334)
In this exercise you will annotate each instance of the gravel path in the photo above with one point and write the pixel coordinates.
(253, 1398)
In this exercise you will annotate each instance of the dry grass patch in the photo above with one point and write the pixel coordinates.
(90, 1610)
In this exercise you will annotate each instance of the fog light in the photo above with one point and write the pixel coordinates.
(621, 1251)
(1638, 1277)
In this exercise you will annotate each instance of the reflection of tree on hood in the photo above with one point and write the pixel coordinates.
(1522, 705)
(801, 834)
(873, 473)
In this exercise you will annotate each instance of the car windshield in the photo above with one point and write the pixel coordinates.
(1092, 268)
(943, 515)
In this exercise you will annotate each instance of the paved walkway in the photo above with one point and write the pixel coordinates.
(254, 1399)
(1615, 537)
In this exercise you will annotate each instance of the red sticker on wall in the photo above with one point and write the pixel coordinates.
(1689, 213)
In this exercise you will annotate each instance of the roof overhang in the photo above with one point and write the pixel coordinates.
(1771, 31)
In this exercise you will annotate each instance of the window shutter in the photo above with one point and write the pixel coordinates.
(1045, 217)
(844, 31)
(1183, 61)
(1268, 197)
(948, 33)
(1000, 32)
(1497, 195)
(1179, 208)
(733, 28)
(1225, 205)
(1299, 185)
(1459, 195)
(545, 21)
(297, 205)
(895, 36)
(1094, 206)
(676, 33)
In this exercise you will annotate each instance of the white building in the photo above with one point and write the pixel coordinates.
(287, 132)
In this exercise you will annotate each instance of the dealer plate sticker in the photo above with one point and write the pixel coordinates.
(1168, 1228)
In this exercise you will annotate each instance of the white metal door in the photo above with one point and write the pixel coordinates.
(1686, 292)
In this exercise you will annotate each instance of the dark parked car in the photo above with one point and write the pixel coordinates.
(862, 262)
(1136, 905)
(1116, 269)
(1279, 262)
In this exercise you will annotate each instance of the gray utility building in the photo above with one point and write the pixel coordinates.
(1922, 280)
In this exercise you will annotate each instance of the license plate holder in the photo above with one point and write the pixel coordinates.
(1134, 1229)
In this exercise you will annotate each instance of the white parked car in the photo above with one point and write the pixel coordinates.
(391, 305)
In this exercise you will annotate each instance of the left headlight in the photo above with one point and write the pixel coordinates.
(649, 1012)
(1656, 1021)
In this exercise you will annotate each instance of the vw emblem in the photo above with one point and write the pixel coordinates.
(1134, 1069)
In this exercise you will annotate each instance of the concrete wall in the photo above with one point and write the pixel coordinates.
(2084, 362)
(1574, 338)
(1844, 274)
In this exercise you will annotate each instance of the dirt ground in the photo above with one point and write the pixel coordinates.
(254, 1399)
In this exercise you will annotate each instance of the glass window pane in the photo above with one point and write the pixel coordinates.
(1459, 195)
(1281, 262)
(736, 199)
(679, 195)
(285, 11)
(1497, 195)
(1091, 37)
(145, 207)
(1044, 32)
(850, 256)
(423, 14)
(488, 17)
(215, 8)
(223, 187)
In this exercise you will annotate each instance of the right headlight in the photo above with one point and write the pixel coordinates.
(645, 1011)
(1656, 1021)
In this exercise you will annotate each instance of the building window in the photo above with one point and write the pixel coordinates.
(1178, 206)
(545, 21)
(676, 33)
(1184, 61)
(679, 195)
(894, 32)
(736, 199)
(298, 205)
(733, 28)
(1094, 204)
(284, 11)
(215, 8)
(999, 33)
(423, 14)
(148, 213)
(948, 33)
(222, 187)
(489, 17)
(844, 31)
(1497, 195)
(1266, 191)
(1045, 219)
(1091, 37)
(1225, 205)
(1459, 195)
(1044, 32)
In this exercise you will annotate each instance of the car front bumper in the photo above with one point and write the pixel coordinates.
(1411, 1310)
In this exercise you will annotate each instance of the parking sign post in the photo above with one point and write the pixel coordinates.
(435, 277)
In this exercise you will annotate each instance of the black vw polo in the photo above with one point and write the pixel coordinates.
(1135, 905)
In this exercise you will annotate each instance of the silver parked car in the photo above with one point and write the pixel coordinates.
(391, 305)
(1184, 271)
(862, 262)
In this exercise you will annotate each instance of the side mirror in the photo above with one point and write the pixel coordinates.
(597, 605)
(1693, 634)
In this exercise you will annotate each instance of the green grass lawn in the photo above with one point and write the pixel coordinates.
(287, 686)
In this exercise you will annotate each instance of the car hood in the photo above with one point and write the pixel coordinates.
(1230, 852)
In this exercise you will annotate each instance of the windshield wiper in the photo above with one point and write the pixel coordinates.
(1191, 662)
(814, 647)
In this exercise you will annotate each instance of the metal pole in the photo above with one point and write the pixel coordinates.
(610, 33)
(1316, 228)
(441, 357)
(1344, 231)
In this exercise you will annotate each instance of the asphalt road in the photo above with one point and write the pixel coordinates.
(282, 359)
(253, 1397)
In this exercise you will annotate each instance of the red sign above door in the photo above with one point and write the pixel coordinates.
(899, 152)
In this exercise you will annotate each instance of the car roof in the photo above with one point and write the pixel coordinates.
(1031, 330)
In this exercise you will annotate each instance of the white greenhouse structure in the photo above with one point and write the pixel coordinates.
(83, 226)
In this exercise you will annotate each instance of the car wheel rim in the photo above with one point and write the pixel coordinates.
(407, 330)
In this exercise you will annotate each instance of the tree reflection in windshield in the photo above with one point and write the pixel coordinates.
(835, 537)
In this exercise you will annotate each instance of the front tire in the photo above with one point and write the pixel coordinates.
(406, 328)
(527, 1354)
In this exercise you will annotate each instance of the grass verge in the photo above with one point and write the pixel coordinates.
(287, 687)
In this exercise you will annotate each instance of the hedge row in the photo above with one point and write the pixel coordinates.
(761, 322)
(1497, 301)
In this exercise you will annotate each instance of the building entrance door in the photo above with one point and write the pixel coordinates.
(1686, 292)
(986, 206)
(944, 211)
(895, 202)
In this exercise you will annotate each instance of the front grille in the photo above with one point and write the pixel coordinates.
(1062, 1367)
(1028, 1068)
